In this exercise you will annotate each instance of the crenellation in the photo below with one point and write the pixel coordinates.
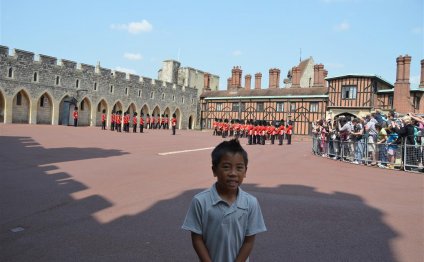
(22, 55)
(48, 60)
(67, 64)
(133, 78)
(118, 75)
(87, 68)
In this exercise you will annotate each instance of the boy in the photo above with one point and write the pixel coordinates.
(224, 219)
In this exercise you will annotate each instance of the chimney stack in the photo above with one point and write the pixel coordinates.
(401, 94)
(206, 81)
(274, 78)
(247, 81)
(229, 81)
(316, 75)
(236, 77)
(295, 77)
(258, 79)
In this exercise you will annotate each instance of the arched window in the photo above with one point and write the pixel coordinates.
(77, 83)
(99, 107)
(57, 80)
(10, 74)
(95, 86)
(82, 105)
(42, 101)
(35, 78)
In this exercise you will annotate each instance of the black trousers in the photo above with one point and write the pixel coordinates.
(288, 139)
(249, 139)
(75, 122)
(103, 125)
(280, 139)
(173, 130)
(141, 128)
(135, 128)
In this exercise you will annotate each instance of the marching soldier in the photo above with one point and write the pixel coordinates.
(166, 122)
(75, 114)
(174, 123)
(141, 123)
(135, 122)
(148, 121)
(281, 131)
(118, 121)
(104, 120)
(289, 130)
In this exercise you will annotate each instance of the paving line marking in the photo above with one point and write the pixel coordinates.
(184, 151)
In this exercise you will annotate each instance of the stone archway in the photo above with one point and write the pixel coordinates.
(131, 109)
(21, 108)
(117, 107)
(66, 108)
(144, 110)
(191, 122)
(101, 106)
(44, 109)
(2, 107)
(84, 112)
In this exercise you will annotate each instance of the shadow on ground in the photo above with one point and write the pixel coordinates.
(303, 224)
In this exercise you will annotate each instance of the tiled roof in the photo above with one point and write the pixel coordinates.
(313, 91)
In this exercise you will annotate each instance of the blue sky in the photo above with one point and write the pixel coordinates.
(347, 36)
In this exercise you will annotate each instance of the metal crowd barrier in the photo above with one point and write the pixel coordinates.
(400, 156)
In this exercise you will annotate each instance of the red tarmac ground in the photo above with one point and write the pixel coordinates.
(82, 194)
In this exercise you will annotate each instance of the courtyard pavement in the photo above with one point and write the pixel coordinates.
(83, 194)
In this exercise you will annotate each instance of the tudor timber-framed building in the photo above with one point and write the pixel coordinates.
(305, 101)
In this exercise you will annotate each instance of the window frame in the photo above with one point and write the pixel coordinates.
(279, 107)
(260, 106)
(350, 95)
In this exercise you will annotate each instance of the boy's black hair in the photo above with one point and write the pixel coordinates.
(232, 146)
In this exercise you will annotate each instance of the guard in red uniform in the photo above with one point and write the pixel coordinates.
(75, 114)
(135, 122)
(112, 121)
(152, 122)
(104, 120)
(174, 123)
(271, 132)
(118, 121)
(148, 121)
(281, 131)
(141, 122)
(289, 131)
(166, 122)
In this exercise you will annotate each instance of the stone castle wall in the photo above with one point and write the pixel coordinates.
(93, 88)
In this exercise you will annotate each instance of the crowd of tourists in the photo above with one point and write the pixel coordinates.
(387, 141)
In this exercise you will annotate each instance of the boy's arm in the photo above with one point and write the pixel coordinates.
(246, 248)
(200, 247)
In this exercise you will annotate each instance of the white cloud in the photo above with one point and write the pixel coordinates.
(125, 70)
(417, 30)
(133, 57)
(134, 27)
(343, 26)
(237, 53)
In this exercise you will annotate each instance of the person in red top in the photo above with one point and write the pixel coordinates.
(166, 122)
(126, 122)
(141, 122)
(118, 121)
(148, 121)
(104, 120)
(281, 131)
(112, 121)
(162, 122)
(250, 132)
(174, 123)
(75, 114)
(135, 122)
(158, 122)
(152, 121)
(271, 132)
(289, 130)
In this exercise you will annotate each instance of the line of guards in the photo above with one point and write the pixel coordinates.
(256, 131)
(119, 121)
(393, 155)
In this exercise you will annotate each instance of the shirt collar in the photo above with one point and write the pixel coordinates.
(240, 201)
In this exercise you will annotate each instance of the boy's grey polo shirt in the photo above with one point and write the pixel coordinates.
(224, 227)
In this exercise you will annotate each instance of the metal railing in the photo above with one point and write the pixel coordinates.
(395, 155)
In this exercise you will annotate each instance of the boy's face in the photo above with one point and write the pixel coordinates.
(230, 171)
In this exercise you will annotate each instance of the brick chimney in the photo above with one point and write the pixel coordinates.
(247, 81)
(229, 83)
(295, 76)
(401, 96)
(207, 81)
(274, 78)
(316, 75)
(258, 79)
(236, 77)
(422, 74)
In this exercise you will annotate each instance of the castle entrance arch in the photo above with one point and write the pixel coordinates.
(84, 117)
(44, 109)
(131, 109)
(2, 107)
(191, 122)
(144, 111)
(66, 109)
(117, 107)
(21, 108)
(101, 107)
